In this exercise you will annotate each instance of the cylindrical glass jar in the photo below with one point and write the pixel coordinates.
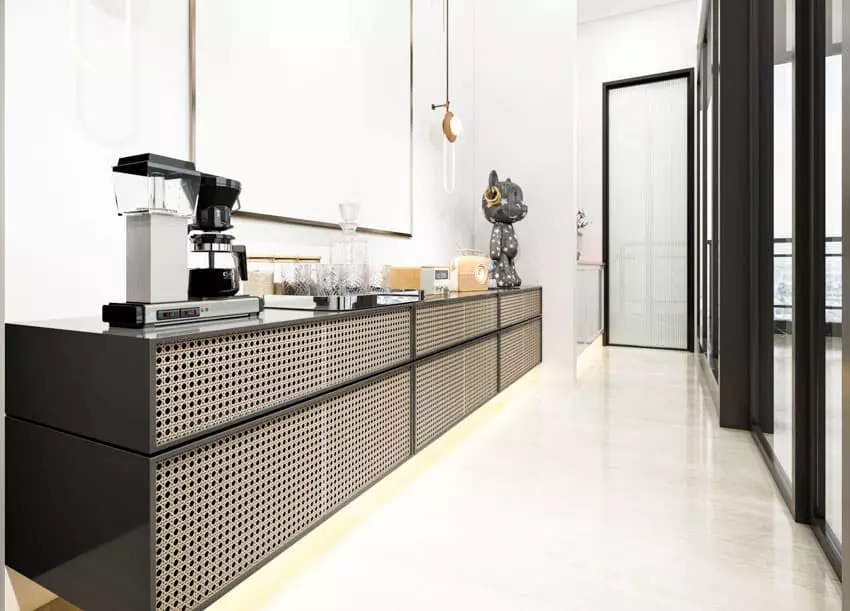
(260, 277)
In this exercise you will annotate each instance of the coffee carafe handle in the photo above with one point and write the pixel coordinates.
(242, 256)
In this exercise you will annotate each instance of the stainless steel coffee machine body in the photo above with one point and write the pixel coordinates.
(156, 195)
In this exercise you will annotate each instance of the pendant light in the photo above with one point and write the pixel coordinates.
(452, 125)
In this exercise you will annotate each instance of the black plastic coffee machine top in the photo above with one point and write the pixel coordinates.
(216, 265)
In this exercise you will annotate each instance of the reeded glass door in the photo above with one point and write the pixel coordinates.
(649, 212)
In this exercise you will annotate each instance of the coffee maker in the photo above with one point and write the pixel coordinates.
(216, 264)
(158, 196)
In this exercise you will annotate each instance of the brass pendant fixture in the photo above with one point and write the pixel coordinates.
(451, 124)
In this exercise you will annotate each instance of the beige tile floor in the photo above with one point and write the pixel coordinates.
(621, 494)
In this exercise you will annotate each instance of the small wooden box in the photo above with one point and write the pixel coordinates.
(431, 280)
(405, 278)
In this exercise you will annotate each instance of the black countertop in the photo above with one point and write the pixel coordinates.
(267, 319)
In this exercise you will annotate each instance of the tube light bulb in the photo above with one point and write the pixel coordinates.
(449, 166)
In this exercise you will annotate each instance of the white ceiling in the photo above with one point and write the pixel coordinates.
(589, 10)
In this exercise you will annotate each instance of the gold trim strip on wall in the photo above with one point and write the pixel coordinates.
(193, 78)
(283, 259)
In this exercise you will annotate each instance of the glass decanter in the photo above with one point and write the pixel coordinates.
(350, 252)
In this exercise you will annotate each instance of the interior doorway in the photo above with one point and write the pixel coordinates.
(647, 211)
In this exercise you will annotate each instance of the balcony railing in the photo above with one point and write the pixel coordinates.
(783, 276)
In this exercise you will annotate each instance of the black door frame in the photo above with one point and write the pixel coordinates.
(687, 73)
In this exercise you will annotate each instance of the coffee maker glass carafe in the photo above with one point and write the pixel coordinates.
(216, 264)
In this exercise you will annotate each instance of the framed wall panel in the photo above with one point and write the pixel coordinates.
(320, 94)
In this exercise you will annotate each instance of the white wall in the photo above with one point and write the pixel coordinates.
(524, 128)
(441, 222)
(338, 65)
(633, 44)
(590, 10)
(88, 83)
(85, 83)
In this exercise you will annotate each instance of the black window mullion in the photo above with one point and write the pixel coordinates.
(714, 70)
(762, 250)
(705, 203)
(818, 256)
(805, 298)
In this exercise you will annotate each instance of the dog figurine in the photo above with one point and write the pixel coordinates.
(503, 206)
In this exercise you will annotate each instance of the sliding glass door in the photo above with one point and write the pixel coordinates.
(828, 508)
(783, 72)
(707, 248)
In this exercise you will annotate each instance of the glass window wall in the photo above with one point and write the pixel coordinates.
(790, 118)
(706, 214)
(781, 438)
(832, 253)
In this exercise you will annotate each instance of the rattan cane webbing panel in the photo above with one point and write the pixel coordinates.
(439, 395)
(438, 325)
(481, 316)
(367, 433)
(481, 382)
(364, 344)
(519, 351)
(225, 506)
(441, 325)
(520, 306)
(207, 382)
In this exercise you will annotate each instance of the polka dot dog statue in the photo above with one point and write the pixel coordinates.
(502, 205)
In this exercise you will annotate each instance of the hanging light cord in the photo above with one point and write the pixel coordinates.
(447, 51)
(446, 26)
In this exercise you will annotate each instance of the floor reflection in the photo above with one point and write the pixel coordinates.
(781, 440)
(620, 494)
